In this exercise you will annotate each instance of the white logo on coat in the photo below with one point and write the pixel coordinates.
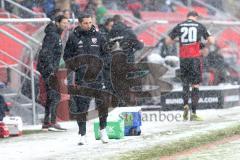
(94, 40)
(60, 42)
(80, 42)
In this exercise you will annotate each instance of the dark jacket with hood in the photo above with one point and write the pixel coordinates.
(122, 33)
(104, 32)
(82, 42)
(50, 54)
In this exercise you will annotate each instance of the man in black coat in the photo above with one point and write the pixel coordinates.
(128, 43)
(84, 42)
(126, 37)
(106, 28)
(48, 62)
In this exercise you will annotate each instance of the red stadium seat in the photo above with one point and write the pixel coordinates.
(10, 46)
(202, 11)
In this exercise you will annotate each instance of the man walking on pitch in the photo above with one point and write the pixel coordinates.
(190, 33)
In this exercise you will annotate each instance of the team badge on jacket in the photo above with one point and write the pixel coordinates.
(94, 40)
(80, 42)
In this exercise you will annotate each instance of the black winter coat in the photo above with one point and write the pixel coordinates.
(104, 32)
(122, 33)
(82, 42)
(50, 54)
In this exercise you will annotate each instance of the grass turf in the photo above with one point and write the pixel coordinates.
(172, 148)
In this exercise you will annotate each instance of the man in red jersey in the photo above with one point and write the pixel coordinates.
(190, 33)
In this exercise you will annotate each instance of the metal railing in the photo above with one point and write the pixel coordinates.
(30, 38)
(19, 62)
(14, 69)
(28, 11)
(32, 69)
(28, 20)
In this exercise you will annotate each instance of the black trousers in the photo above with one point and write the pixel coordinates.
(82, 105)
(191, 70)
(53, 98)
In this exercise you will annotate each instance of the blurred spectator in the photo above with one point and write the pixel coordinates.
(164, 6)
(53, 8)
(67, 13)
(101, 12)
(106, 28)
(62, 4)
(3, 108)
(28, 3)
(91, 7)
(48, 7)
(75, 8)
(135, 6)
(19, 11)
(125, 35)
(167, 50)
(149, 5)
(55, 13)
(65, 34)
(214, 66)
(113, 5)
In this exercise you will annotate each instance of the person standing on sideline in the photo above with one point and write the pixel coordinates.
(85, 40)
(126, 38)
(190, 33)
(48, 62)
(121, 32)
(106, 28)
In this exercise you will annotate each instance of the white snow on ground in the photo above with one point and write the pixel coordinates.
(63, 146)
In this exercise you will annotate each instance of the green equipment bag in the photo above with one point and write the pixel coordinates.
(115, 128)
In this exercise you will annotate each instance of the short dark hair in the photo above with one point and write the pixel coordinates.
(117, 18)
(108, 20)
(192, 13)
(82, 16)
(60, 18)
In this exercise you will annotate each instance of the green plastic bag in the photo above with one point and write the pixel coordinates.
(115, 128)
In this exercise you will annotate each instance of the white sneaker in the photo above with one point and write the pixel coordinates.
(83, 140)
(104, 136)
